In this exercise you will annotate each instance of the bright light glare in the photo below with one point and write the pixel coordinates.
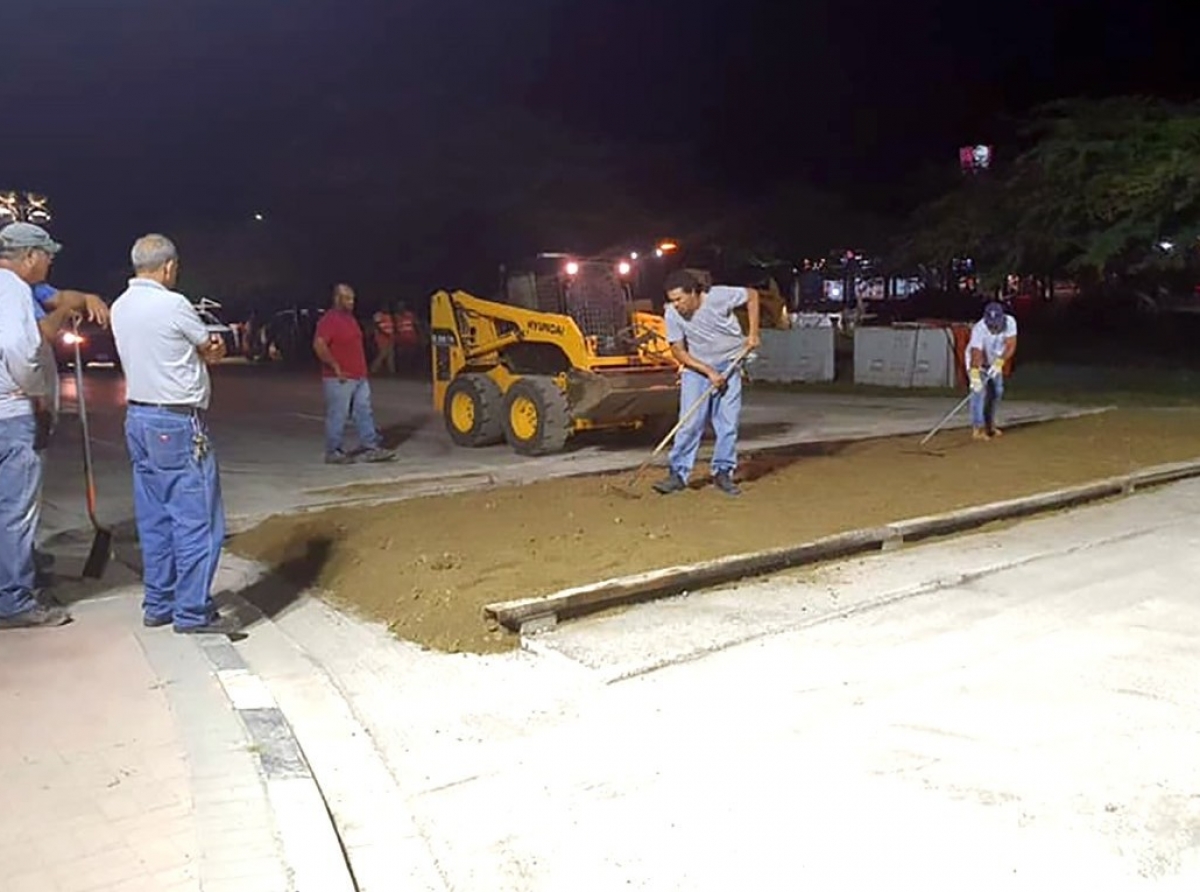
(71, 339)
(633, 255)
(624, 268)
(668, 246)
(572, 268)
(1167, 246)
(658, 252)
(258, 217)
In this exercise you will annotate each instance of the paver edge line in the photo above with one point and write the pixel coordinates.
(665, 583)
(265, 747)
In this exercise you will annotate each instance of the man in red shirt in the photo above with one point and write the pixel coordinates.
(339, 345)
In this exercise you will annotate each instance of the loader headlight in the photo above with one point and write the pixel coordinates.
(71, 339)
(572, 268)
(624, 268)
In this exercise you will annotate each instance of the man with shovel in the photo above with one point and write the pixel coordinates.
(706, 339)
(27, 380)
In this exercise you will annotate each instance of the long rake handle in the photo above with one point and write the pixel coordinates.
(684, 419)
(88, 470)
(966, 399)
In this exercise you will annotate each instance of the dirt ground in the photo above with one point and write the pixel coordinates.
(427, 566)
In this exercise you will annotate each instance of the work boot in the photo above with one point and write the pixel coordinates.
(724, 482)
(219, 625)
(995, 432)
(337, 458)
(979, 433)
(35, 617)
(669, 484)
(376, 455)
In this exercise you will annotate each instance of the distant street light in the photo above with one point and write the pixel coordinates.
(258, 217)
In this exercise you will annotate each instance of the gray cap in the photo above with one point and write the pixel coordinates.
(27, 235)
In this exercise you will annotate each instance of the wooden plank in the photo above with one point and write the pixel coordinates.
(978, 515)
(674, 580)
(1161, 474)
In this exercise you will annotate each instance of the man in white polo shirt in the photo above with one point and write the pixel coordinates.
(164, 347)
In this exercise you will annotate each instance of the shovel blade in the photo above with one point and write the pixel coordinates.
(99, 556)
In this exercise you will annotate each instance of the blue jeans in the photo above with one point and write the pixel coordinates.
(979, 401)
(722, 408)
(349, 399)
(180, 518)
(20, 479)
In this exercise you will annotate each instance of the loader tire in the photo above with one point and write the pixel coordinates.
(473, 411)
(537, 419)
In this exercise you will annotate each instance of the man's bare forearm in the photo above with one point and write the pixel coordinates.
(753, 314)
(688, 361)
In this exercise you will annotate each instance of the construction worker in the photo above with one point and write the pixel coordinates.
(989, 351)
(26, 387)
(706, 339)
(165, 349)
(338, 344)
(385, 342)
(408, 338)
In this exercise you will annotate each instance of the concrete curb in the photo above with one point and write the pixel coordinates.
(310, 840)
(532, 615)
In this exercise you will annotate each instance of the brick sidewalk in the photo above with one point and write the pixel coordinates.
(95, 778)
(122, 765)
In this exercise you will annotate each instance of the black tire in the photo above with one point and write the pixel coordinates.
(537, 419)
(477, 419)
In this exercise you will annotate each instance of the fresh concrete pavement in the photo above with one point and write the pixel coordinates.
(1014, 709)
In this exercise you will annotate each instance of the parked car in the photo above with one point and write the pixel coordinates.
(96, 346)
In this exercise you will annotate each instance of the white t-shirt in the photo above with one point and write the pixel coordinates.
(992, 345)
(21, 358)
(713, 334)
(157, 332)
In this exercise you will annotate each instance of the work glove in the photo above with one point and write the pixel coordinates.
(976, 376)
(997, 370)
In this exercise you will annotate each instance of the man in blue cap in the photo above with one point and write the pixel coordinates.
(989, 351)
(26, 383)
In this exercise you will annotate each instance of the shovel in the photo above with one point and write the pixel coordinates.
(628, 488)
(101, 552)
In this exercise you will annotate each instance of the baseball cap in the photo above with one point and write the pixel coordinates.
(993, 316)
(27, 235)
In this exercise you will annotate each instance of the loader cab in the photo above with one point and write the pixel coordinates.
(596, 292)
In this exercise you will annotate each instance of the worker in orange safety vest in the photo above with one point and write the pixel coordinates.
(385, 343)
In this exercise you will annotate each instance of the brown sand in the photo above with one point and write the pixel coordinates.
(427, 566)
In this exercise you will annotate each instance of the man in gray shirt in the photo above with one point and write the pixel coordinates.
(707, 340)
(165, 348)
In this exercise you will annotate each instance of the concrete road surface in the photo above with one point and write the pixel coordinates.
(1010, 710)
(268, 430)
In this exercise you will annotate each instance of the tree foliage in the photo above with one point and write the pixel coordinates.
(1101, 188)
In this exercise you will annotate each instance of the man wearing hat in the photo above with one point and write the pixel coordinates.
(26, 383)
(989, 351)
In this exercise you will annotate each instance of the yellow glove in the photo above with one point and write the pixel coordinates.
(976, 376)
(997, 368)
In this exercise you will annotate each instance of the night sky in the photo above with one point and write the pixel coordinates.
(391, 142)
